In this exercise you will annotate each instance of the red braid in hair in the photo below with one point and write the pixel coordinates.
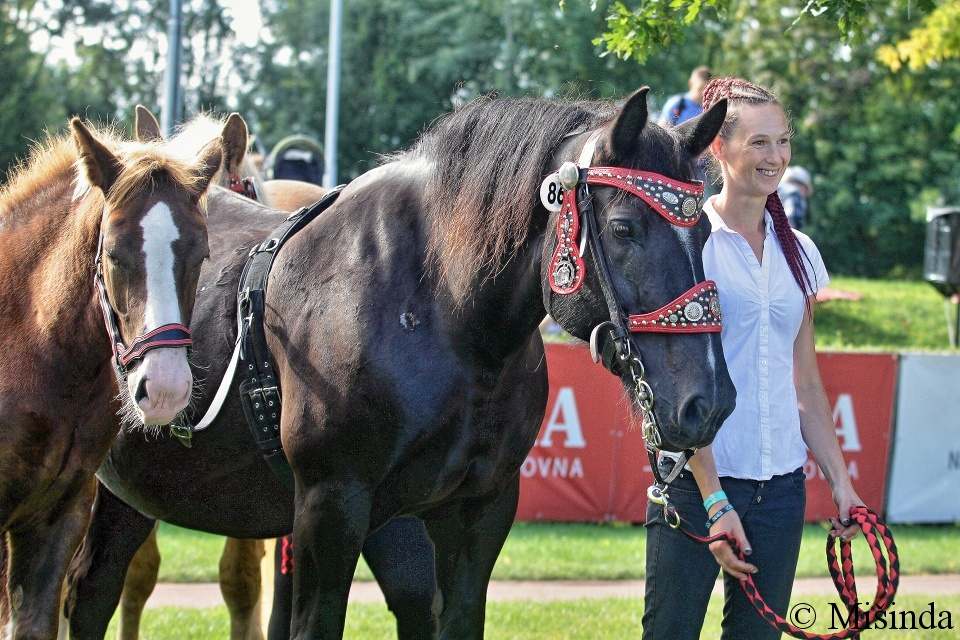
(739, 92)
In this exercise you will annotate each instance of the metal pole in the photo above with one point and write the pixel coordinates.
(955, 342)
(333, 98)
(171, 98)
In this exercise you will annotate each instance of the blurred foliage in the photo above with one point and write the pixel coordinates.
(882, 144)
(936, 39)
(639, 29)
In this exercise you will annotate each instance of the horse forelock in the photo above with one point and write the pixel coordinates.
(147, 172)
(490, 157)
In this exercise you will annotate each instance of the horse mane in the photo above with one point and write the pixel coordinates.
(488, 159)
(147, 165)
(48, 161)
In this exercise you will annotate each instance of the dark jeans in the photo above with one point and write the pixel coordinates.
(681, 572)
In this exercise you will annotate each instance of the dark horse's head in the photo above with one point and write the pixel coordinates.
(153, 240)
(653, 256)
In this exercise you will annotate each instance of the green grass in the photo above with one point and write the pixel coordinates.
(539, 551)
(893, 315)
(573, 620)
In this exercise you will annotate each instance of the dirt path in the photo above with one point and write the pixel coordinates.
(208, 594)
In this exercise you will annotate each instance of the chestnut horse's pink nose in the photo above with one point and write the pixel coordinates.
(161, 385)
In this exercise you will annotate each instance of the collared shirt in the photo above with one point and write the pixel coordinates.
(762, 311)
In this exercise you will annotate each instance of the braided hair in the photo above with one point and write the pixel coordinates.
(739, 92)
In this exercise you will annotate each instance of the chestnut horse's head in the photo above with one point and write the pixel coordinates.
(153, 240)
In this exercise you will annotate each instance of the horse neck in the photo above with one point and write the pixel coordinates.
(506, 306)
(50, 261)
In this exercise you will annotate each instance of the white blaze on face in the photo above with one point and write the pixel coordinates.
(166, 371)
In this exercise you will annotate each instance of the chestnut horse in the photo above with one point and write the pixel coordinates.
(403, 324)
(240, 581)
(103, 243)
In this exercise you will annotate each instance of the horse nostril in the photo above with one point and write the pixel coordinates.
(141, 392)
(694, 415)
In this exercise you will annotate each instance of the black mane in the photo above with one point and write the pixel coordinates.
(488, 159)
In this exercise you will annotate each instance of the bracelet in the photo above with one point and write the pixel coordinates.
(724, 510)
(713, 499)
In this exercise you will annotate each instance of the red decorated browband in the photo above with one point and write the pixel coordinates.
(679, 202)
(695, 311)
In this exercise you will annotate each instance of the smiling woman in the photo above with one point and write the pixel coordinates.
(751, 479)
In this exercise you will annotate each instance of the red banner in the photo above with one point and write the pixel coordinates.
(861, 388)
(589, 464)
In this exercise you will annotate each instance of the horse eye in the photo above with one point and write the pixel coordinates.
(113, 258)
(620, 229)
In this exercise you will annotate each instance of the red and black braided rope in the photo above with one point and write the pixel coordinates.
(879, 539)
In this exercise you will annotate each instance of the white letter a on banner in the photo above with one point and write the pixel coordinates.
(564, 417)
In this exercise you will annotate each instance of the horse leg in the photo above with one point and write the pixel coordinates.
(401, 556)
(5, 632)
(240, 586)
(96, 577)
(38, 557)
(282, 608)
(137, 587)
(329, 530)
(468, 537)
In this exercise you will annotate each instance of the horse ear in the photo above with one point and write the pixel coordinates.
(235, 140)
(696, 134)
(631, 120)
(208, 164)
(100, 165)
(146, 126)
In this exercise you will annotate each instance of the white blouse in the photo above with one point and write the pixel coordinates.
(762, 311)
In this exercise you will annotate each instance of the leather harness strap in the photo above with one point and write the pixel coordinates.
(258, 382)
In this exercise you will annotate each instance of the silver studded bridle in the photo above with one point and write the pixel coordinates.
(696, 310)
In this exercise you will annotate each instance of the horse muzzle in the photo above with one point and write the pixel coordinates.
(161, 384)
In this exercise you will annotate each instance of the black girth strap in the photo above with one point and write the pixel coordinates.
(258, 383)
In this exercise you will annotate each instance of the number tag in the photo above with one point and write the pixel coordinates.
(551, 193)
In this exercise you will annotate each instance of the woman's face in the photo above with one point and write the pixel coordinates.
(755, 156)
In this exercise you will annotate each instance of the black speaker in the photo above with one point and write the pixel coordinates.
(941, 253)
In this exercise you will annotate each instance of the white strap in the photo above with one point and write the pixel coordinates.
(586, 157)
(222, 392)
(589, 147)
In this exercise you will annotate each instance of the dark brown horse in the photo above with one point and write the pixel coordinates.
(143, 209)
(403, 322)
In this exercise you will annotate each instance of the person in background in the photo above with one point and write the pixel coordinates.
(683, 106)
(749, 483)
(795, 190)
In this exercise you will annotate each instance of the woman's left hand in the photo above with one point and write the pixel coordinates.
(845, 498)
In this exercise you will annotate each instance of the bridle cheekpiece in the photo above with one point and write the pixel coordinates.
(696, 310)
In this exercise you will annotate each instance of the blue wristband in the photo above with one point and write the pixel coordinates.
(724, 510)
(713, 499)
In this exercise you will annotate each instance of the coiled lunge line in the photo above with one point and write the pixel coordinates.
(879, 539)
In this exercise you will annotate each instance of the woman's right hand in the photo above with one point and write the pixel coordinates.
(723, 552)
